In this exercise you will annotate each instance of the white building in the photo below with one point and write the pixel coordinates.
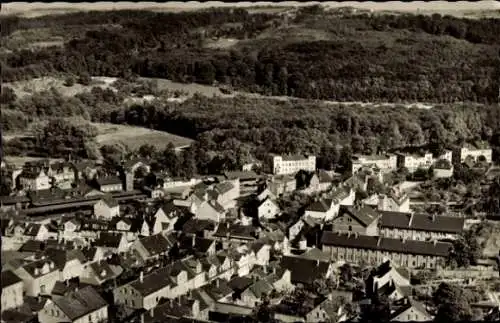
(12, 290)
(414, 161)
(475, 154)
(386, 163)
(84, 305)
(34, 180)
(283, 165)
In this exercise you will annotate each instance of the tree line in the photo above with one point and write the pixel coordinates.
(365, 58)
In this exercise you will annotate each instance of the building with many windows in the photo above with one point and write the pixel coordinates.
(289, 164)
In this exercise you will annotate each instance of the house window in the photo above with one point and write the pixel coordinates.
(42, 289)
(350, 228)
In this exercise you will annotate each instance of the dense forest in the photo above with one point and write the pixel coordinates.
(309, 54)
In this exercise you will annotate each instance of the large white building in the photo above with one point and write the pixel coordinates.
(475, 154)
(415, 161)
(283, 165)
(386, 163)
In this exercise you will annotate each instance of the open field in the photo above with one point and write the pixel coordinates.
(28, 87)
(134, 137)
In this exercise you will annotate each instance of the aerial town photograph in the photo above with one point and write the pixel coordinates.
(250, 162)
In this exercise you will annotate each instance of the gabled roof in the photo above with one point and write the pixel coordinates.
(103, 270)
(163, 312)
(109, 180)
(109, 240)
(61, 257)
(200, 244)
(9, 279)
(198, 225)
(32, 246)
(109, 201)
(31, 267)
(80, 303)
(410, 303)
(305, 270)
(236, 231)
(415, 247)
(32, 229)
(322, 205)
(422, 222)
(364, 215)
(156, 244)
(218, 289)
(324, 177)
(260, 288)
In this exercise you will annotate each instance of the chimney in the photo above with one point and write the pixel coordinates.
(317, 262)
(193, 241)
(179, 300)
(434, 242)
(274, 270)
(265, 269)
(152, 312)
(433, 217)
(217, 283)
(141, 277)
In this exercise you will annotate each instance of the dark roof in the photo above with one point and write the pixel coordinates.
(80, 303)
(109, 200)
(304, 270)
(61, 257)
(324, 177)
(109, 239)
(422, 222)
(441, 249)
(198, 225)
(322, 205)
(32, 246)
(409, 304)
(32, 229)
(110, 180)
(32, 266)
(218, 289)
(237, 231)
(239, 284)
(103, 270)
(364, 215)
(155, 281)
(31, 173)
(156, 244)
(200, 244)
(9, 279)
(180, 307)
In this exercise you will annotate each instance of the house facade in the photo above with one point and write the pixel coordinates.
(385, 163)
(362, 220)
(420, 226)
(81, 306)
(360, 249)
(285, 165)
(268, 209)
(107, 208)
(34, 180)
(12, 290)
(39, 277)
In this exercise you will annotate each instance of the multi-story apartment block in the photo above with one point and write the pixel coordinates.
(375, 249)
(424, 161)
(420, 226)
(288, 164)
(386, 163)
